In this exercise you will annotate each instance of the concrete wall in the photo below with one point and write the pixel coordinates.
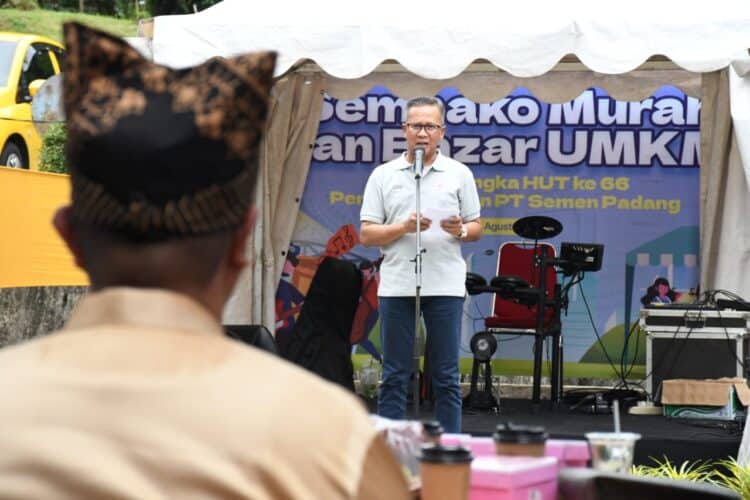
(32, 311)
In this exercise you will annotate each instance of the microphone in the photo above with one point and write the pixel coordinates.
(418, 161)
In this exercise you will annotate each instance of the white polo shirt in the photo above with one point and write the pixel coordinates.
(447, 187)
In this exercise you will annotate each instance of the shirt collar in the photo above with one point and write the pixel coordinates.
(437, 164)
(143, 307)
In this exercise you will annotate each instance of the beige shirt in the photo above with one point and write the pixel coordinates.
(142, 396)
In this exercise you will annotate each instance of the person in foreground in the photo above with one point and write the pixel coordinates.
(141, 395)
(388, 217)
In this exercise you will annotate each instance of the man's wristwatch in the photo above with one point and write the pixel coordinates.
(464, 232)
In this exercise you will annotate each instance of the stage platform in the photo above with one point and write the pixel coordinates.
(677, 439)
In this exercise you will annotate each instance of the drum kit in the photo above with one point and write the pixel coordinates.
(535, 227)
(576, 258)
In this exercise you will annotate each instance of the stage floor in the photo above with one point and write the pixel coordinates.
(677, 439)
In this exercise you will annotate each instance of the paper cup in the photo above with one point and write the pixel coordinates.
(445, 472)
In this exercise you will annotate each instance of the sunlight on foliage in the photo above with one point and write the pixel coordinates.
(737, 477)
(697, 471)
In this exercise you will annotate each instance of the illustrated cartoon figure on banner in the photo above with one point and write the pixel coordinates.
(660, 292)
(288, 298)
(367, 311)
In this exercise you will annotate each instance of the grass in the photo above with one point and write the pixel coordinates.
(512, 367)
(613, 341)
(49, 23)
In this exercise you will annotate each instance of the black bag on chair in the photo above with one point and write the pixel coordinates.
(254, 335)
(320, 338)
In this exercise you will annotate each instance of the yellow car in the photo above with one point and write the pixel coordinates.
(26, 61)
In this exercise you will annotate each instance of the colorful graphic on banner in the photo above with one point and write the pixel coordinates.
(622, 174)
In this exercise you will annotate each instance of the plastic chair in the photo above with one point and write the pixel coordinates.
(516, 309)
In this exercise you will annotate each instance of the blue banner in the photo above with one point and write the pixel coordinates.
(623, 174)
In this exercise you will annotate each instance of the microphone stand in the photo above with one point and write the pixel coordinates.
(418, 167)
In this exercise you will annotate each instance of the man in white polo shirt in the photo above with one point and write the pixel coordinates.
(449, 196)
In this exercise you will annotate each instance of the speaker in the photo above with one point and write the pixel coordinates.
(694, 357)
(483, 346)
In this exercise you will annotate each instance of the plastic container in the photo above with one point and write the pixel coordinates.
(612, 451)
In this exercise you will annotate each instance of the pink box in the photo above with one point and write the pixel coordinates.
(513, 478)
(481, 446)
(569, 452)
(455, 439)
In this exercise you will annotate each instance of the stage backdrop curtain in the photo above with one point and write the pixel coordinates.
(294, 115)
(725, 197)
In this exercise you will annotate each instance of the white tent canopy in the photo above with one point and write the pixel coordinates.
(485, 50)
(441, 43)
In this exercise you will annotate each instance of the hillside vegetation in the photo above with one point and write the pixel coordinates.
(49, 23)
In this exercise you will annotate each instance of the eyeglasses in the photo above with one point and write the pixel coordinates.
(428, 127)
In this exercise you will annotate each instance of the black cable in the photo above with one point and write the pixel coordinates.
(635, 354)
(729, 343)
(512, 338)
(729, 294)
(598, 337)
(654, 365)
(622, 355)
(729, 425)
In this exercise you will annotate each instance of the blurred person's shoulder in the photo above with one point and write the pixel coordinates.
(291, 383)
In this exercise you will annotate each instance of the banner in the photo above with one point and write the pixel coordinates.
(622, 174)
(32, 253)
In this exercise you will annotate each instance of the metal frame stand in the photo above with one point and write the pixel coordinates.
(418, 273)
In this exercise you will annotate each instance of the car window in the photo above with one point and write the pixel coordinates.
(7, 50)
(36, 65)
(60, 55)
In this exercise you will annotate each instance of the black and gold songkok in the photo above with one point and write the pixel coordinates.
(156, 153)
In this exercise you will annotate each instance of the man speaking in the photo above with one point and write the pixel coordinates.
(449, 216)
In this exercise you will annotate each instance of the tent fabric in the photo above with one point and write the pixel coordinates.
(480, 84)
(520, 40)
(725, 182)
(716, 140)
(294, 112)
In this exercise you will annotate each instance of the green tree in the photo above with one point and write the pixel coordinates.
(19, 4)
(165, 7)
(53, 150)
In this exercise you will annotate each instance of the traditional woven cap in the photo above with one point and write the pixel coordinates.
(156, 153)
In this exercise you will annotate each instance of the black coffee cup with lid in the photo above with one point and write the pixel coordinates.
(445, 455)
(523, 440)
(431, 431)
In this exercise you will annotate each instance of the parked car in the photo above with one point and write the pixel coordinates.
(26, 61)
